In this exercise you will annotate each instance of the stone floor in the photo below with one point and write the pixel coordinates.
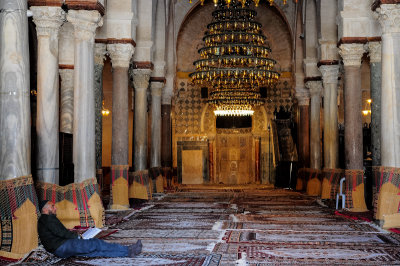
(245, 226)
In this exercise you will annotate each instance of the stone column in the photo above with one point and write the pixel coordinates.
(303, 99)
(141, 79)
(99, 57)
(315, 88)
(353, 137)
(85, 24)
(67, 100)
(155, 156)
(211, 140)
(389, 18)
(15, 127)
(257, 143)
(18, 203)
(375, 52)
(66, 69)
(331, 135)
(120, 54)
(48, 20)
(166, 146)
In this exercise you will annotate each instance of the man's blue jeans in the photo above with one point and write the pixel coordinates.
(91, 248)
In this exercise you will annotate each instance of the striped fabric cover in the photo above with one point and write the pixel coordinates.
(18, 217)
(79, 195)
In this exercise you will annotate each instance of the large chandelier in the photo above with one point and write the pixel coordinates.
(234, 61)
(256, 2)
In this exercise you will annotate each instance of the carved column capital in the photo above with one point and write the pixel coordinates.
(329, 73)
(159, 69)
(100, 51)
(120, 54)
(389, 18)
(315, 88)
(303, 96)
(352, 53)
(141, 78)
(375, 52)
(85, 23)
(48, 20)
(156, 88)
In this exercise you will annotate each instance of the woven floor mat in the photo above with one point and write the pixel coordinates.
(316, 238)
(267, 227)
(287, 254)
(149, 259)
(301, 227)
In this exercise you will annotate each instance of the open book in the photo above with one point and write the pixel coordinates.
(91, 232)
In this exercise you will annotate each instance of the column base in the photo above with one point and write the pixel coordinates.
(313, 182)
(387, 197)
(331, 183)
(78, 204)
(19, 215)
(355, 200)
(119, 187)
(157, 179)
(140, 185)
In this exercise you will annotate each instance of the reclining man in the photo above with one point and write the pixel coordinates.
(63, 243)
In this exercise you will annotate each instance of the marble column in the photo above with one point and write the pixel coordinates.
(315, 88)
(211, 140)
(141, 79)
(85, 24)
(15, 127)
(353, 137)
(48, 20)
(331, 135)
(375, 52)
(66, 100)
(155, 156)
(120, 55)
(303, 99)
(66, 70)
(99, 57)
(166, 145)
(389, 18)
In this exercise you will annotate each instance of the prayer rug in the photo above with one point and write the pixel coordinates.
(150, 259)
(301, 227)
(39, 256)
(316, 238)
(270, 254)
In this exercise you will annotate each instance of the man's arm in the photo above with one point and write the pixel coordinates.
(58, 229)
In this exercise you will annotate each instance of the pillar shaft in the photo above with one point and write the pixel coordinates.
(353, 137)
(166, 145)
(389, 18)
(155, 156)
(376, 82)
(315, 88)
(99, 56)
(120, 57)
(67, 100)
(141, 79)
(303, 98)
(48, 21)
(15, 130)
(331, 137)
(85, 24)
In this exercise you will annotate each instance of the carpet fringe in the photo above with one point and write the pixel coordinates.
(234, 218)
(242, 261)
(136, 211)
(320, 203)
(217, 226)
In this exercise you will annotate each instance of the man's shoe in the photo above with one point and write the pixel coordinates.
(135, 249)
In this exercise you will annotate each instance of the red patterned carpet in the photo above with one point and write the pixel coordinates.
(244, 227)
